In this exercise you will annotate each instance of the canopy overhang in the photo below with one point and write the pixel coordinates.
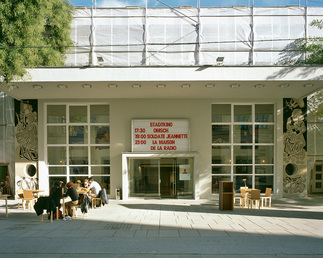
(167, 82)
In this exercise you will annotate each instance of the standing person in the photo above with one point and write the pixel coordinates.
(94, 187)
(72, 193)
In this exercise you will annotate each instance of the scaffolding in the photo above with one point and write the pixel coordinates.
(188, 36)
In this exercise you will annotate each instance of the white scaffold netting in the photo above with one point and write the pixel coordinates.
(190, 36)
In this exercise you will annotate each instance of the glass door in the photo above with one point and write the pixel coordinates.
(167, 178)
(164, 177)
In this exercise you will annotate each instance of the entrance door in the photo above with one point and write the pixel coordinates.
(161, 177)
(167, 178)
(317, 186)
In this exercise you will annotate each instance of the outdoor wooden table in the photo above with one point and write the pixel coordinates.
(36, 193)
(82, 190)
(5, 197)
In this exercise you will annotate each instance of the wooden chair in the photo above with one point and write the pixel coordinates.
(266, 197)
(241, 197)
(254, 197)
(20, 194)
(28, 199)
(74, 210)
(94, 199)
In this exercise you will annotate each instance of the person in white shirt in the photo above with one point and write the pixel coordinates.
(94, 187)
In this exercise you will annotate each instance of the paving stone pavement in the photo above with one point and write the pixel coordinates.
(167, 227)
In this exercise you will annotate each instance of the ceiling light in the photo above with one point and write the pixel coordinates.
(209, 85)
(14, 87)
(309, 85)
(112, 86)
(258, 86)
(61, 86)
(37, 87)
(284, 85)
(136, 86)
(235, 85)
(160, 86)
(87, 86)
(185, 86)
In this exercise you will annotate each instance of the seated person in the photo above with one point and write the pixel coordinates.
(72, 193)
(95, 188)
(85, 187)
(56, 192)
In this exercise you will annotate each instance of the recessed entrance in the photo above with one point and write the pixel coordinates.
(161, 177)
(167, 181)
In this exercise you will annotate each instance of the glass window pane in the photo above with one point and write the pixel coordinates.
(242, 181)
(242, 113)
(104, 182)
(78, 114)
(264, 113)
(262, 182)
(78, 180)
(56, 134)
(100, 135)
(264, 133)
(78, 155)
(100, 155)
(264, 155)
(60, 178)
(81, 170)
(242, 169)
(216, 182)
(57, 170)
(264, 169)
(242, 156)
(56, 114)
(221, 155)
(221, 170)
(56, 155)
(100, 170)
(77, 134)
(221, 113)
(242, 134)
(99, 114)
(221, 134)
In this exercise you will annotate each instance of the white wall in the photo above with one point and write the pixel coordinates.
(197, 111)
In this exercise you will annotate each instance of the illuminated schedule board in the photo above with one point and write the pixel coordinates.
(160, 135)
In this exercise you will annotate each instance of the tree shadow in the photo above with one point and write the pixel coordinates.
(292, 57)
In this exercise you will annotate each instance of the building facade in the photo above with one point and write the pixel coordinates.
(166, 104)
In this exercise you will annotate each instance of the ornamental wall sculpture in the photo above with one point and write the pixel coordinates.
(295, 146)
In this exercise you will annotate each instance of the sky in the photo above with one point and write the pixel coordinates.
(203, 3)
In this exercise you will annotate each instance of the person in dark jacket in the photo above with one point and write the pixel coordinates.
(56, 192)
(72, 193)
